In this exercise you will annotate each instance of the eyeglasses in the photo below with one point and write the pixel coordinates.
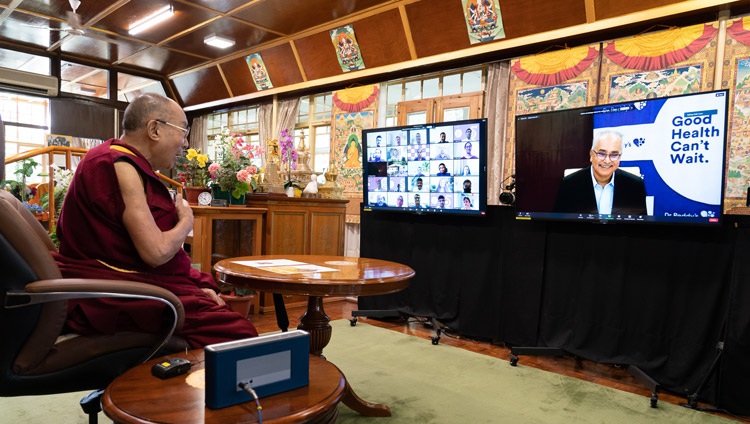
(603, 155)
(186, 131)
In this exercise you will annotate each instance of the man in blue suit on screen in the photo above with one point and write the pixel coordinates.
(602, 188)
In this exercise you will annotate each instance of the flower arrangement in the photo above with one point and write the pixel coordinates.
(192, 165)
(235, 171)
(288, 154)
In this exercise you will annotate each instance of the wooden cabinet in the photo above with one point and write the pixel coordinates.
(300, 226)
(220, 233)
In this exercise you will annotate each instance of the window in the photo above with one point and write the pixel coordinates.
(84, 80)
(314, 121)
(26, 126)
(242, 121)
(431, 86)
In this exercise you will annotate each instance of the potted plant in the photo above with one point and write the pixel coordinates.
(239, 299)
(193, 167)
(234, 174)
(289, 158)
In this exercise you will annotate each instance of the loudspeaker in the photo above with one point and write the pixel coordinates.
(747, 199)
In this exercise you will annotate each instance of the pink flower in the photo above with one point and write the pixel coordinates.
(243, 175)
(213, 168)
(252, 169)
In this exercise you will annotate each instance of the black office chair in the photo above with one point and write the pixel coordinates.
(36, 358)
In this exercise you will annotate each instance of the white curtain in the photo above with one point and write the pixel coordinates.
(496, 104)
(287, 116)
(198, 134)
(265, 121)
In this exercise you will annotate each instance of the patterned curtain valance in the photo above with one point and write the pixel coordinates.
(740, 30)
(554, 67)
(355, 99)
(660, 50)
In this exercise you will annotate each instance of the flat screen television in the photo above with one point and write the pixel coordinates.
(438, 168)
(672, 148)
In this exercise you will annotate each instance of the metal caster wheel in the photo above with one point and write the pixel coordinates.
(513, 360)
(353, 322)
(435, 340)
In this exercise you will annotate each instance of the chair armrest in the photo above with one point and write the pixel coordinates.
(78, 288)
(44, 291)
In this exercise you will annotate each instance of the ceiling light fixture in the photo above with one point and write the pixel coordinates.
(151, 20)
(218, 41)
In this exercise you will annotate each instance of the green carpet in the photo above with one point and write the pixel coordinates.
(430, 384)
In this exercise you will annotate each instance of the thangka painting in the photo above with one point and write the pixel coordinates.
(665, 63)
(354, 110)
(258, 71)
(483, 20)
(736, 77)
(347, 48)
(556, 80)
(659, 83)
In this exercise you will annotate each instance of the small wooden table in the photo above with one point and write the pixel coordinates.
(138, 397)
(353, 276)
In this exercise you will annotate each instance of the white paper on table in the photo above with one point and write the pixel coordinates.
(269, 262)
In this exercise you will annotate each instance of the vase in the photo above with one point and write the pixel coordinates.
(192, 193)
(237, 202)
(220, 194)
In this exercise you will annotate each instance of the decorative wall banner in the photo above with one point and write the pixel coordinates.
(736, 77)
(483, 20)
(258, 70)
(347, 48)
(664, 63)
(660, 83)
(354, 110)
(562, 96)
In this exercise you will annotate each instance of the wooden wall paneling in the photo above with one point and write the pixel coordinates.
(372, 39)
(201, 86)
(162, 60)
(281, 65)
(326, 233)
(318, 56)
(522, 17)
(437, 26)
(605, 9)
(238, 77)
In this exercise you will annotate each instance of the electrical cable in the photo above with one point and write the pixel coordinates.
(246, 387)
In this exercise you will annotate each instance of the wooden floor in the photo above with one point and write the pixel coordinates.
(607, 375)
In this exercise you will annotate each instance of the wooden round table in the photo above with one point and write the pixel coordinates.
(320, 276)
(138, 397)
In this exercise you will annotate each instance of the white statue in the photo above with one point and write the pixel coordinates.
(312, 186)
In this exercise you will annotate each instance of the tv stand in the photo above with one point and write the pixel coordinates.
(635, 371)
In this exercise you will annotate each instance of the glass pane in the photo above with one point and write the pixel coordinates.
(452, 84)
(472, 81)
(395, 93)
(456, 114)
(415, 118)
(84, 80)
(131, 86)
(413, 90)
(322, 149)
(431, 88)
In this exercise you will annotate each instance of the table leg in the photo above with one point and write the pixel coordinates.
(282, 320)
(316, 322)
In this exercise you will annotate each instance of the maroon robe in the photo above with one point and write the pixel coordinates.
(94, 243)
